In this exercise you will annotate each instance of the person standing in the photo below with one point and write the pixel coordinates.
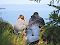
(33, 30)
(20, 27)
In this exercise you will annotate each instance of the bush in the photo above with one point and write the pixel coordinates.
(7, 37)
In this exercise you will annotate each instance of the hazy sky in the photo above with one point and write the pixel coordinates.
(22, 2)
(25, 7)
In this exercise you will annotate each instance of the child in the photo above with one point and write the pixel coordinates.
(20, 25)
(19, 28)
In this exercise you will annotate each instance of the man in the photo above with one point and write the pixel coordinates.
(33, 30)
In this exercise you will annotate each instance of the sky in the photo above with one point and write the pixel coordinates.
(13, 8)
(21, 2)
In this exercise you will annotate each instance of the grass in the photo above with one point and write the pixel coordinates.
(7, 37)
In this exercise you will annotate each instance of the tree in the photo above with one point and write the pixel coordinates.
(52, 1)
(53, 29)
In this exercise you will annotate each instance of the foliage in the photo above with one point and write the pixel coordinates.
(51, 1)
(7, 36)
(53, 29)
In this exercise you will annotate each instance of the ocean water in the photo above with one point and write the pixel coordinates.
(11, 12)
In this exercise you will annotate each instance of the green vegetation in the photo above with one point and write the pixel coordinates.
(7, 37)
(53, 29)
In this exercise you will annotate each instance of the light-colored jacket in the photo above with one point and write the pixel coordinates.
(34, 29)
(20, 25)
(33, 33)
